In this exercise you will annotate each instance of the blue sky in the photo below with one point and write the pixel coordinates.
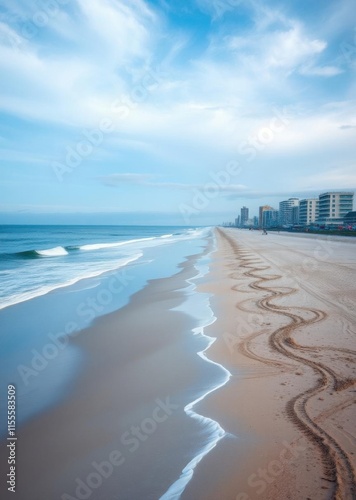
(175, 112)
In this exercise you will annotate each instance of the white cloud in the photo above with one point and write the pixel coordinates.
(288, 49)
(124, 178)
(321, 70)
(146, 180)
(285, 49)
(317, 131)
(76, 84)
(218, 8)
(9, 37)
(119, 29)
(346, 127)
(336, 178)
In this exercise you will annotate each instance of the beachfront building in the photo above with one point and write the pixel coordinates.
(244, 216)
(269, 218)
(295, 214)
(308, 211)
(333, 206)
(260, 213)
(350, 218)
(286, 212)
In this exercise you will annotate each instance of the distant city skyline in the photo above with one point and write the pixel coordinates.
(159, 112)
(329, 207)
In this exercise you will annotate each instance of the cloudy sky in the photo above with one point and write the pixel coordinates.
(167, 111)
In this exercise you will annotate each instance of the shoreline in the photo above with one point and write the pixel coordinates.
(176, 490)
(117, 389)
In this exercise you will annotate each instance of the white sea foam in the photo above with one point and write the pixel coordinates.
(189, 234)
(38, 292)
(101, 246)
(52, 252)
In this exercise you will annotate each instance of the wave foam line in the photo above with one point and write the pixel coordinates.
(177, 488)
(52, 252)
(100, 246)
(32, 294)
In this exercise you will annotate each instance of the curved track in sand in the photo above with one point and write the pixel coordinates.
(338, 469)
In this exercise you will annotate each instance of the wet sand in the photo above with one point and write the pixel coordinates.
(286, 317)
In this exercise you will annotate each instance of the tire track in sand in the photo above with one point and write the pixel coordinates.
(337, 466)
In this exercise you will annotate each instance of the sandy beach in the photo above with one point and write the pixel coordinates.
(282, 426)
(285, 307)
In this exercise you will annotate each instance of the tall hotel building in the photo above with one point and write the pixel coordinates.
(308, 211)
(269, 218)
(333, 207)
(244, 215)
(286, 212)
(260, 213)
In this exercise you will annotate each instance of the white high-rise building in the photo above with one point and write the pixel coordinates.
(244, 216)
(285, 211)
(308, 211)
(333, 206)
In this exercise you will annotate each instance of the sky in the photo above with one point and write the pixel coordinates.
(173, 112)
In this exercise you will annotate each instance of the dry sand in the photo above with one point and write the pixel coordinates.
(286, 327)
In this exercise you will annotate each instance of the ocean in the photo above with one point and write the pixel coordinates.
(37, 259)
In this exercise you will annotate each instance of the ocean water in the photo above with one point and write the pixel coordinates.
(37, 259)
